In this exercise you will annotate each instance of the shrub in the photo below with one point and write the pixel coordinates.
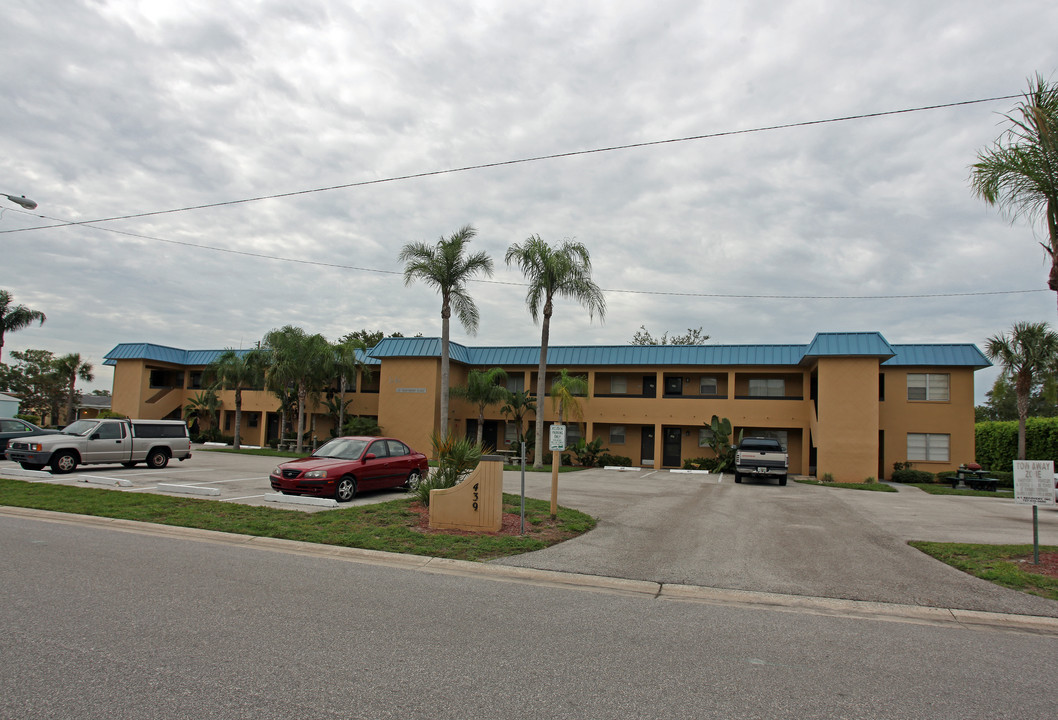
(606, 459)
(701, 463)
(359, 425)
(587, 452)
(997, 442)
(912, 476)
(456, 458)
(869, 480)
(827, 478)
(35, 419)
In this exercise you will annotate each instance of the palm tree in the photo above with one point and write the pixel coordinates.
(303, 361)
(1029, 349)
(1020, 171)
(566, 272)
(483, 389)
(237, 371)
(518, 405)
(13, 319)
(348, 364)
(564, 391)
(70, 368)
(447, 267)
(203, 407)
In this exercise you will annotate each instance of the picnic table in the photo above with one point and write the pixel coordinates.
(973, 479)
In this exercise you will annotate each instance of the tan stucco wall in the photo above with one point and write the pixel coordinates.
(847, 427)
(409, 400)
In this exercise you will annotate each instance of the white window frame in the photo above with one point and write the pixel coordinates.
(929, 447)
(510, 433)
(516, 382)
(929, 387)
(618, 385)
(767, 387)
(617, 434)
(706, 382)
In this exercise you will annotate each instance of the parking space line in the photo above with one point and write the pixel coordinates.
(245, 497)
(217, 482)
(168, 472)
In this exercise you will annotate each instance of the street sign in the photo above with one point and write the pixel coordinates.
(557, 438)
(1034, 482)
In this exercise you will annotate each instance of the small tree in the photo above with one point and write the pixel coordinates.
(70, 368)
(693, 337)
(720, 442)
(518, 405)
(237, 371)
(483, 389)
(1029, 349)
(202, 409)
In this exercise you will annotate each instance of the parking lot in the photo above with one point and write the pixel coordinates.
(238, 478)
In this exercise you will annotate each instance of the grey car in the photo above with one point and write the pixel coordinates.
(15, 428)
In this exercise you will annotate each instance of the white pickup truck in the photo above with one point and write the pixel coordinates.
(113, 440)
(760, 457)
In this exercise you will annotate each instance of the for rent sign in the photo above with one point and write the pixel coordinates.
(1034, 482)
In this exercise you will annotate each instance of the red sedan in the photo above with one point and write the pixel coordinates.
(343, 466)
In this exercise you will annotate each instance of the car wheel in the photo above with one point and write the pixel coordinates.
(32, 466)
(738, 478)
(64, 462)
(782, 479)
(346, 489)
(157, 459)
(414, 478)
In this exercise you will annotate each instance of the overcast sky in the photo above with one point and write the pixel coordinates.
(118, 108)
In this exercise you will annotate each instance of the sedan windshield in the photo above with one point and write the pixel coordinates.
(342, 448)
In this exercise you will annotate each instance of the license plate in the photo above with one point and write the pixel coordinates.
(762, 470)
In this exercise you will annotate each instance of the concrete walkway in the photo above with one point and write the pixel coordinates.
(801, 540)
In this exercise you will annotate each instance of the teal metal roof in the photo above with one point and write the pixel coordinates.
(938, 355)
(868, 344)
(176, 356)
(857, 344)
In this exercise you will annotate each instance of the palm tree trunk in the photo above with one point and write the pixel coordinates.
(341, 406)
(70, 411)
(538, 455)
(238, 416)
(481, 424)
(446, 313)
(302, 395)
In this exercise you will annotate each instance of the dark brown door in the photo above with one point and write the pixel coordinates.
(647, 447)
(671, 451)
(650, 386)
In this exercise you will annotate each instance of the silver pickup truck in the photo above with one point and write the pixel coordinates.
(87, 442)
(760, 457)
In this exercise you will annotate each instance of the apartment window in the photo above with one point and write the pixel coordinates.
(928, 386)
(781, 435)
(510, 433)
(618, 384)
(928, 447)
(674, 386)
(617, 434)
(767, 387)
(196, 380)
(705, 435)
(516, 383)
(708, 386)
(572, 434)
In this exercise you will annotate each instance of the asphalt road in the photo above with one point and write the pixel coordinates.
(102, 622)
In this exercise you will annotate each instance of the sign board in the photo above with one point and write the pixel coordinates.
(1034, 482)
(557, 438)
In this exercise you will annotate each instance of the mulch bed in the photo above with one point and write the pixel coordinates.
(512, 524)
(1048, 564)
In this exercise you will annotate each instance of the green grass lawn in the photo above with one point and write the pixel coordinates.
(389, 526)
(873, 487)
(938, 489)
(1007, 565)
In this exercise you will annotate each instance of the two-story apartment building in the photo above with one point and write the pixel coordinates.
(848, 404)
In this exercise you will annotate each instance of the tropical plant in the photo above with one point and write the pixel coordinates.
(447, 267)
(336, 408)
(565, 389)
(566, 272)
(204, 409)
(301, 361)
(588, 454)
(518, 405)
(483, 389)
(1019, 172)
(719, 441)
(348, 364)
(70, 368)
(456, 458)
(13, 319)
(33, 380)
(1030, 348)
(237, 371)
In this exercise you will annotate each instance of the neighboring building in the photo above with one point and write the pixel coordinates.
(848, 404)
(8, 406)
(91, 405)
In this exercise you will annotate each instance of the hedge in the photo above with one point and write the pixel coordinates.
(997, 442)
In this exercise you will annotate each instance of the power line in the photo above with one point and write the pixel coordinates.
(660, 293)
(502, 163)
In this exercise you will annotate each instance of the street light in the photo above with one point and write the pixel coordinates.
(21, 200)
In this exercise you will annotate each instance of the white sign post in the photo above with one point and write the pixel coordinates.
(1034, 485)
(557, 438)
